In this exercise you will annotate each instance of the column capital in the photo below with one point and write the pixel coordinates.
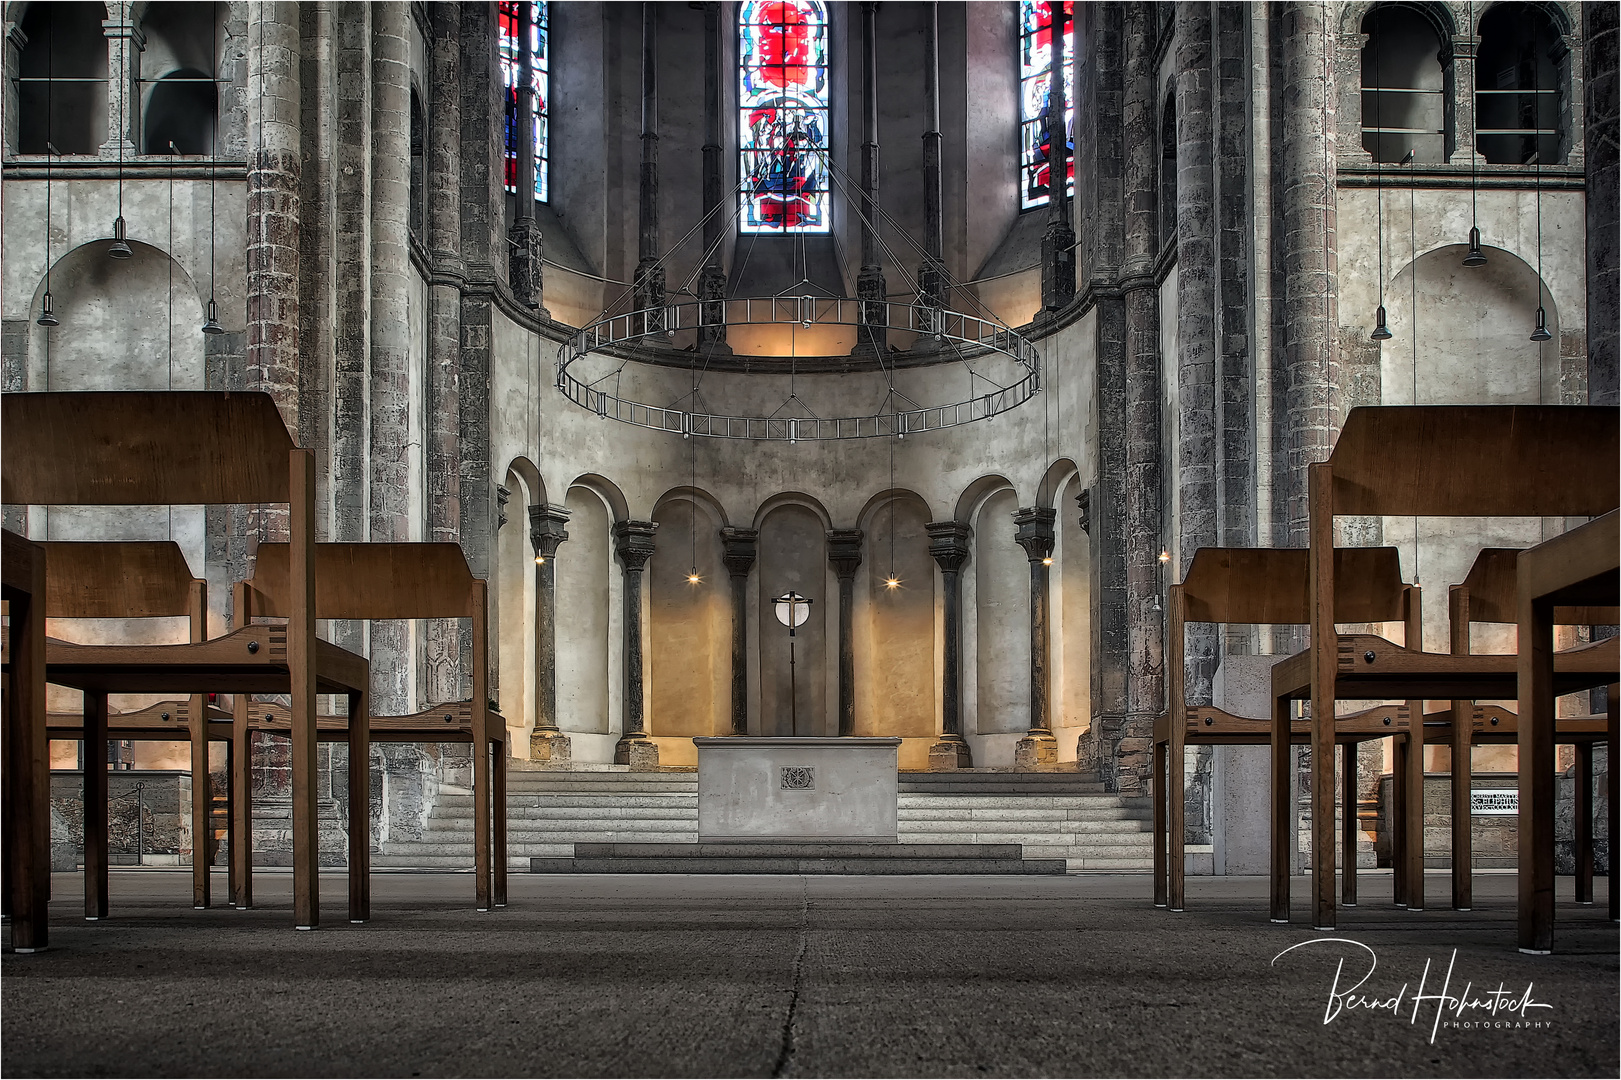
(844, 551)
(948, 543)
(633, 542)
(738, 549)
(1034, 531)
(546, 529)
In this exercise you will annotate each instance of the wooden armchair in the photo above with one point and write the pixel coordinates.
(157, 447)
(1432, 460)
(1489, 594)
(129, 580)
(392, 581)
(1261, 586)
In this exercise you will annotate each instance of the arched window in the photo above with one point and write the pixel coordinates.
(63, 63)
(419, 187)
(782, 101)
(1035, 71)
(1167, 171)
(1406, 87)
(1521, 71)
(510, 63)
(178, 68)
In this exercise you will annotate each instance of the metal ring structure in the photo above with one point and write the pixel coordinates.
(970, 338)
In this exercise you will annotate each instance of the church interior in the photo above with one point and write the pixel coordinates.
(1126, 455)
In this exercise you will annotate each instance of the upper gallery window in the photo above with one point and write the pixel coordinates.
(62, 79)
(510, 16)
(1406, 95)
(1035, 72)
(1520, 74)
(782, 103)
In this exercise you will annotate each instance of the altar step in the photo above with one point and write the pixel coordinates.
(1063, 816)
(797, 858)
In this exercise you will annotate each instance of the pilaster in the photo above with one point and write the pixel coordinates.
(844, 555)
(546, 534)
(738, 549)
(1034, 532)
(948, 545)
(633, 543)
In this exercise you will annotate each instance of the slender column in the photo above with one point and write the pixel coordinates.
(712, 279)
(546, 532)
(524, 250)
(870, 287)
(1035, 534)
(738, 548)
(1058, 242)
(649, 280)
(274, 164)
(633, 543)
(1309, 247)
(844, 553)
(931, 276)
(948, 543)
(125, 43)
(1600, 106)
(1196, 315)
(1145, 658)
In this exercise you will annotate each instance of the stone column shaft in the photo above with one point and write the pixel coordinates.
(712, 278)
(351, 285)
(1034, 532)
(931, 283)
(948, 544)
(738, 548)
(524, 268)
(633, 543)
(546, 533)
(1599, 87)
(1058, 242)
(125, 43)
(844, 553)
(648, 289)
(873, 339)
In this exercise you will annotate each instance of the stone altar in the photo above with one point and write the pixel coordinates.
(817, 789)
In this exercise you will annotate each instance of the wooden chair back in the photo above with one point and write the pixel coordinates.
(104, 579)
(371, 581)
(1489, 594)
(1271, 585)
(143, 446)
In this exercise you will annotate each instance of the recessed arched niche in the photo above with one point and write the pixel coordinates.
(584, 619)
(1001, 625)
(793, 558)
(894, 625)
(689, 637)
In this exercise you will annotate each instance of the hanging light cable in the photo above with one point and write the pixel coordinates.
(121, 248)
(1381, 326)
(211, 320)
(1474, 257)
(47, 317)
(1541, 332)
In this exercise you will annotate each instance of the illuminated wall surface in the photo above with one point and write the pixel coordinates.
(783, 116)
(538, 51)
(1035, 75)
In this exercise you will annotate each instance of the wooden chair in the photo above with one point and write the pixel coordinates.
(1489, 594)
(393, 581)
(1432, 460)
(129, 580)
(1260, 586)
(25, 770)
(1579, 568)
(189, 447)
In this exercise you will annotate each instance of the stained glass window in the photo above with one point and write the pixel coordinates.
(1035, 73)
(538, 55)
(782, 116)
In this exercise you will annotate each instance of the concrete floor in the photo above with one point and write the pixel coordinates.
(817, 976)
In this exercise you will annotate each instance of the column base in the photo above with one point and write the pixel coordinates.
(1036, 751)
(949, 754)
(642, 755)
(550, 745)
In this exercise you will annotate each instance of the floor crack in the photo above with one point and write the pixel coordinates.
(785, 1053)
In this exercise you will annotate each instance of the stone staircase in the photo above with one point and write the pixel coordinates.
(1063, 815)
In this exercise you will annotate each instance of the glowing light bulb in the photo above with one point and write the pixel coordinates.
(1048, 561)
(1164, 556)
(892, 582)
(540, 560)
(693, 578)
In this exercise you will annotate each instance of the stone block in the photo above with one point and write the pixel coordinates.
(949, 754)
(553, 746)
(798, 789)
(1035, 752)
(642, 755)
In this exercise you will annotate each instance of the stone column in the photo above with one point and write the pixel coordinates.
(738, 548)
(844, 553)
(712, 279)
(274, 166)
(1145, 658)
(1058, 242)
(1038, 749)
(948, 543)
(931, 272)
(649, 279)
(1599, 78)
(633, 543)
(872, 339)
(124, 45)
(389, 396)
(546, 532)
(1196, 273)
(447, 275)
(1309, 247)
(524, 252)
(1465, 51)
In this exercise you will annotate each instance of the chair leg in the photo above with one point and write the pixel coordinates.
(1415, 811)
(481, 819)
(95, 805)
(1176, 822)
(1613, 700)
(1282, 766)
(1398, 821)
(202, 805)
(1463, 841)
(359, 809)
(498, 789)
(1584, 823)
(241, 806)
(1350, 830)
(1158, 790)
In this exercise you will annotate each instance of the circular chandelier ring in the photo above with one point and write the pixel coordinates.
(970, 336)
